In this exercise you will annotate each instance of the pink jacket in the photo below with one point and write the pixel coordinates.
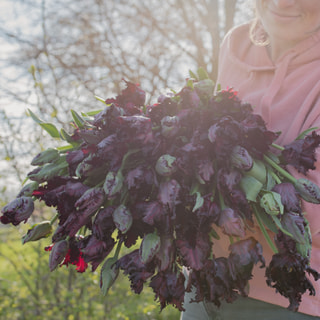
(287, 95)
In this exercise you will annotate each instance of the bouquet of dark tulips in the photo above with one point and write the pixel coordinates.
(162, 180)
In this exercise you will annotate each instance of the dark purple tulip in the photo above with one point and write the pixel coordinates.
(136, 127)
(70, 227)
(289, 196)
(95, 250)
(106, 146)
(189, 98)
(141, 178)
(245, 253)
(255, 136)
(153, 213)
(232, 223)
(18, 210)
(75, 157)
(165, 107)
(248, 250)
(225, 132)
(227, 103)
(129, 98)
(293, 284)
(58, 253)
(169, 288)
(103, 225)
(228, 180)
(137, 271)
(106, 117)
(195, 145)
(301, 153)
(90, 136)
(194, 249)
(75, 189)
(62, 194)
(90, 201)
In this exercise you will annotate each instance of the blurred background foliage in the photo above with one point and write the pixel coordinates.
(56, 56)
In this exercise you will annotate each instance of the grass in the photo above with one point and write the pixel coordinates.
(29, 291)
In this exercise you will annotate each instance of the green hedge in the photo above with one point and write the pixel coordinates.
(28, 290)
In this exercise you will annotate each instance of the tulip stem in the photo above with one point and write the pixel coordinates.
(263, 230)
(54, 218)
(275, 177)
(100, 99)
(276, 146)
(279, 169)
(221, 200)
(119, 245)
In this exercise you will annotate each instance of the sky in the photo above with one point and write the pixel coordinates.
(13, 17)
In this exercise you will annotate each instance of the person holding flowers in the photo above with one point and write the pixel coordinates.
(274, 64)
(217, 188)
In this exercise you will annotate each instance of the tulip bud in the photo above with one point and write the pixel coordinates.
(17, 211)
(150, 246)
(38, 231)
(204, 88)
(58, 253)
(241, 159)
(271, 202)
(113, 183)
(28, 189)
(166, 165)
(108, 275)
(122, 218)
(169, 126)
(308, 191)
(46, 156)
